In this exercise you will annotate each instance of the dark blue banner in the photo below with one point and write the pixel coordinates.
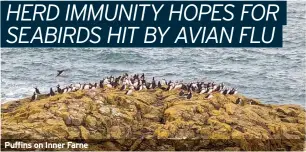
(142, 23)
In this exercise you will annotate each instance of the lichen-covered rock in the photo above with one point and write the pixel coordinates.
(84, 133)
(155, 120)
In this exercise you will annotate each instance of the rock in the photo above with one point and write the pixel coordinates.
(162, 134)
(115, 132)
(84, 133)
(230, 108)
(115, 112)
(76, 121)
(105, 110)
(73, 133)
(47, 105)
(90, 121)
(68, 120)
(156, 120)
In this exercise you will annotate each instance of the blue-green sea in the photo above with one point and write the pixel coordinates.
(272, 75)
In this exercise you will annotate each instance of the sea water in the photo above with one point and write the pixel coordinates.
(272, 75)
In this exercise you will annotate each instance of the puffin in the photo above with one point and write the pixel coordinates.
(239, 101)
(34, 96)
(51, 92)
(209, 96)
(129, 92)
(123, 87)
(181, 93)
(59, 72)
(36, 90)
(189, 95)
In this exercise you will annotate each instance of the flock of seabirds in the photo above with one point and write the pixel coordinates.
(136, 82)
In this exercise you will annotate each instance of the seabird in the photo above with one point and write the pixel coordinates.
(73, 88)
(101, 84)
(209, 96)
(163, 82)
(106, 81)
(210, 90)
(148, 85)
(203, 91)
(59, 90)
(51, 92)
(142, 76)
(123, 87)
(184, 87)
(109, 85)
(34, 96)
(219, 88)
(65, 90)
(78, 86)
(112, 78)
(181, 93)
(136, 83)
(129, 92)
(189, 95)
(153, 83)
(117, 79)
(159, 84)
(86, 86)
(214, 87)
(171, 86)
(233, 91)
(226, 91)
(59, 72)
(193, 87)
(178, 86)
(239, 101)
(37, 91)
(144, 87)
(114, 84)
(222, 85)
(90, 85)
(94, 86)
(139, 88)
(168, 88)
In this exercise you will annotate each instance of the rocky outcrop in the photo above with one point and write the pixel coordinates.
(107, 119)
